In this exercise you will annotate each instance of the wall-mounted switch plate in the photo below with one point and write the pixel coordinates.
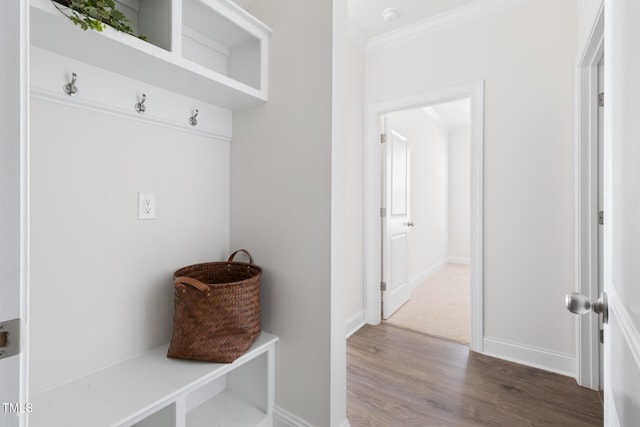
(146, 205)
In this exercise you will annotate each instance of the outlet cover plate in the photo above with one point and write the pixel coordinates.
(146, 205)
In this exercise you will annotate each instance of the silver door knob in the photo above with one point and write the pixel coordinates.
(580, 304)
(411, 224)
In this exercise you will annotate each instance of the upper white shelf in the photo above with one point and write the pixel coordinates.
(211, 50)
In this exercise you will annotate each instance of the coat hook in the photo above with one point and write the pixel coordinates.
(193, 120)
(70, 88)
(140, 108)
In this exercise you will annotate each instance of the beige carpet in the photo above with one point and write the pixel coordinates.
(439, 306)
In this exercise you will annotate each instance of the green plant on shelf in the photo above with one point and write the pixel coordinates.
(95, 14)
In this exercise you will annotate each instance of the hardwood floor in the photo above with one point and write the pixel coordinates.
(399, 378)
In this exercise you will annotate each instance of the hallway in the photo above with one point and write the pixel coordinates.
(399, 378)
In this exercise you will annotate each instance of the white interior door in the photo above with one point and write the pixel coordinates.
(396, 222)
(622, 209)
(13, 141)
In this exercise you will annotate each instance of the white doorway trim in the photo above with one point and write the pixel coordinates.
(372, 194)
(14, 206)
(586, 201)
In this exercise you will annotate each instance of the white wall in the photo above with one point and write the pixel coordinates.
(101, 280)
(525, 53)
(281, 208)
(428, 240)
(355, 182)
(460, 195)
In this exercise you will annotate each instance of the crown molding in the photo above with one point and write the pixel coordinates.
(456, 16)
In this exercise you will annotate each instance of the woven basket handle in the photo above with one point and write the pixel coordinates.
(240, 250)
(184, 280)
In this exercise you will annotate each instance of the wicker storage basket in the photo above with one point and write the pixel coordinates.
(217, 310)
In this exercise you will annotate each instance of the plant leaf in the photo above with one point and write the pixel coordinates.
(95, 14)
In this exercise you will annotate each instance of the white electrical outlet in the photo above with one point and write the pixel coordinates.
(146, 205)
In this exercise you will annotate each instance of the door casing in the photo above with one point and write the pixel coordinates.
(14, 208)
(372, 202)
(586, 201)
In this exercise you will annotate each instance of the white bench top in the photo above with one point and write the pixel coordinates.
(129, 391)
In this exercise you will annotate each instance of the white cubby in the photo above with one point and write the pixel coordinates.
(239, 396)
(150, 18)
(152, 390)
(212, 40)
(165, 417)
(211, 50)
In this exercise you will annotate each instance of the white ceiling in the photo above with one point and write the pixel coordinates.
(367, 14)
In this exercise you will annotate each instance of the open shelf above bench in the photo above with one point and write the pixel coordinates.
(211, 50)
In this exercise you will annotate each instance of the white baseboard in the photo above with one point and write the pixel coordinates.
(460, 260)
(427, 273)
(355, 322)
(282, 418)
(530, 356)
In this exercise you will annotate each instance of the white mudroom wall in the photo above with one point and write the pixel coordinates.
(101, 280)
(288, 205)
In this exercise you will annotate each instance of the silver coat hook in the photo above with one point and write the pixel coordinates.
(70, 88)
(140, 108)
(193, 119)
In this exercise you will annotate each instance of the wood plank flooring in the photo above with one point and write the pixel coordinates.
(398, 378)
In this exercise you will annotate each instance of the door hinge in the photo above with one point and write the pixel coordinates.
(383, 286)
(601, 99)
(383, 212)
(9, 338)
(601, 217)
(383, 138)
